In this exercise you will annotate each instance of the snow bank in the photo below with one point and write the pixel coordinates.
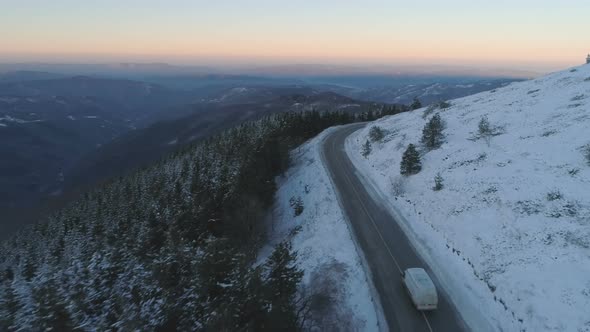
(8, 118)
(509, 235)
(326, 250)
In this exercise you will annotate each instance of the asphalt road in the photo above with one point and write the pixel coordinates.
(385, 246)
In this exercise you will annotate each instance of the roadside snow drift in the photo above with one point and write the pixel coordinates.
(325, 248)
(508, 236)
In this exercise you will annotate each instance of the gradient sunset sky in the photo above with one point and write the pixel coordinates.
(521, 33)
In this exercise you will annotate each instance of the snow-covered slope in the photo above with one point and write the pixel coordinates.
(325, 247)
(509, 234)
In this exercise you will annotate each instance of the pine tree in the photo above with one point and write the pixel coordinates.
(51, 312)
(484, 127)
(416, 104)
(367, 148)
(8, 304)
(282, 281)
(297, 205)
(432, 134)
(410, 163)
(29, 267)
(255, 310)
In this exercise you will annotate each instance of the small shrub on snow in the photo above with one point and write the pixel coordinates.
(587, 79)
(569, 209)
(573, 171)
(576, 105)
(578, 97)
(410, 163)
(296, 230)
(486, 130)
(438, 182)
(528, 207)
(367, 148)
(297, 205)
(444, 104)
(481, 157)
(376, 134)
(579, 241)
(490, 190)
(554, 195)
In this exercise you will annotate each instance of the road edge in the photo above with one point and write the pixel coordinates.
(382, 322)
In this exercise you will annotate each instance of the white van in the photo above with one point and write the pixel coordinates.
(421, 288)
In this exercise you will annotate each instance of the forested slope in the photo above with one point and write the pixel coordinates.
(171, 247)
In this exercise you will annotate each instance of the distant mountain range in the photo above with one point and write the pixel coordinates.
(47, 124)
(68, 133)
(303, 70)
(118, 70)
(59, 131)
(224, 110)
(440, 71)
(26, 75)
(427, 92)
(132, 99)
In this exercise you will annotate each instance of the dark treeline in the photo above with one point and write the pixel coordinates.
(170, 247)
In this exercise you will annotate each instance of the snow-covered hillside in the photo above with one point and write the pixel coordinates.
(509, 234)
(324, 244)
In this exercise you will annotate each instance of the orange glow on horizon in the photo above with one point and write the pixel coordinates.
(378, 31)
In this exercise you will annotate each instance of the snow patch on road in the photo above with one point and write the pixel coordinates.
(326, 250)
(508, 235)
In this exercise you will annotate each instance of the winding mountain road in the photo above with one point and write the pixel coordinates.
(386, 248)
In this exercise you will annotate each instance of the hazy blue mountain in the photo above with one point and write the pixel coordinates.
(47, 124)
(193, 122)
(41, 137)
(136, 100)
(27, 75)
(429, 92)
(216, 82)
